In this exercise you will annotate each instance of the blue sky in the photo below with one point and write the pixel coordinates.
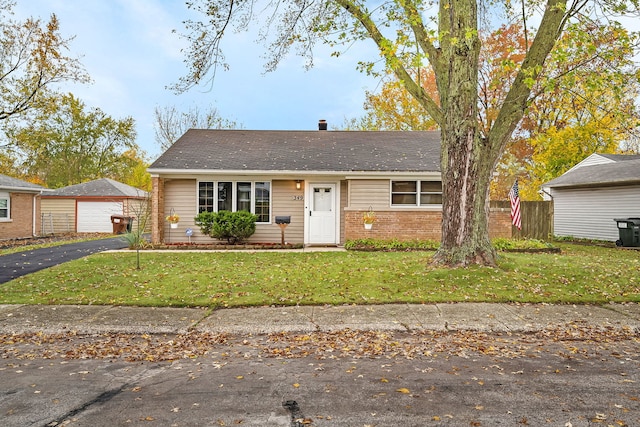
(131, 53)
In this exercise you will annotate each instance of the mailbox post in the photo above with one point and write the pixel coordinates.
(283, 221)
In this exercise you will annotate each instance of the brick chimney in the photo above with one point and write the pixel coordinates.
(322, 125)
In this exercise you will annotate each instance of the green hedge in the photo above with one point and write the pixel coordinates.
(234, 227)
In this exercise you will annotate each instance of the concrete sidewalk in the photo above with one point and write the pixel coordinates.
(393, 317)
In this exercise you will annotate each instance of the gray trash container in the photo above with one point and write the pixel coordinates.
(629, 232)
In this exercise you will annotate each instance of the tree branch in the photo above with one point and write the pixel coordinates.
(392, 59)
(517, 100)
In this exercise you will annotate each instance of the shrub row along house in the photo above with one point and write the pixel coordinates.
(323, 180)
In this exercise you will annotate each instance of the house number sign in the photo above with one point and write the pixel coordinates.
(298, 197)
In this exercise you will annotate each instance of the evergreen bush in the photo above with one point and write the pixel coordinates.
(234, 227)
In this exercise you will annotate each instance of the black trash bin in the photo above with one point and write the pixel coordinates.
(629, 231)
(120, 223)
(130, 223)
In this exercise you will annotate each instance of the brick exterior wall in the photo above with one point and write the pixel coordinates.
(157, 210)
(21, 224)
(500, 223)
(415, 225)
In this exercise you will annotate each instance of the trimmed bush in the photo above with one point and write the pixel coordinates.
(234, 227)
(205, 220)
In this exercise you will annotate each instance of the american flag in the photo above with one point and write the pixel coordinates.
(514, 198)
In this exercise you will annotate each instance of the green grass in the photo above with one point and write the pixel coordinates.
(580, 274)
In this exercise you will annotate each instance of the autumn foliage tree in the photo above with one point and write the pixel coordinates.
(33, 59)
(584, 111)
(393, 108)
(585, 102)
(68, 143)
(50, 137)
(401, 31)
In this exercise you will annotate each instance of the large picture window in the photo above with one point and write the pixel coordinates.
(416, 193)
(254, 197)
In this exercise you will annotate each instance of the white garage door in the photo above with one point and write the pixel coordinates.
(95, 217)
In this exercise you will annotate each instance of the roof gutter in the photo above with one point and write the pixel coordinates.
(284, 173)
(625, 183)
(25, 189)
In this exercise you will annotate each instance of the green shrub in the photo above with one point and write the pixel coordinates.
(391, 245)
(205, 220)
(503, 244)
(500, 244)
(234, 227)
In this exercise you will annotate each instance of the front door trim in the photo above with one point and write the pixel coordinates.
(309, 235)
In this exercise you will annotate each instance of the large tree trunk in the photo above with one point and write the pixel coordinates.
(465, 204)
(466, 159)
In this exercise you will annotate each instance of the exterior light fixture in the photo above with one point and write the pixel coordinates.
(298, 184)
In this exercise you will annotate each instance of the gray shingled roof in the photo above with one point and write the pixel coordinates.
(619, 173)
(324, 151)
(103, 187)
(7, 182)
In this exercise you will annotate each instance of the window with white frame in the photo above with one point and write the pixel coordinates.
(232, 196)
(5, 207)
(416, 193)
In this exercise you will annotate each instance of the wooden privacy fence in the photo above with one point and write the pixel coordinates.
(537, 219)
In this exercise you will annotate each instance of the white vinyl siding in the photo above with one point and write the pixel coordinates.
(593, 159)
(589, 212)
(287, 201)
(181, 197)
(367, 193)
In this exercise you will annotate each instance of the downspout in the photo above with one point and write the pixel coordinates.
(543, 191)
(33, 209)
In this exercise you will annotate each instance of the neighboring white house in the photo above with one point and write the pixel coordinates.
(588, 197)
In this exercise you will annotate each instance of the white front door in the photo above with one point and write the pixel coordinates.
(322, 214)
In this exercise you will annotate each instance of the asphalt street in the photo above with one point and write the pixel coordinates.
(22, 263)
(344, 366)
(250, 381)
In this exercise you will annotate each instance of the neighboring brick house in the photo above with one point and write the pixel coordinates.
(324, 180)
(19, 208)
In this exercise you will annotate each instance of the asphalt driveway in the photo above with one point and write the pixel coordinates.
(22, 263)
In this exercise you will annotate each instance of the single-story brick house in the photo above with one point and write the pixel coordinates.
(591, 194)
(323, 180)
(19, 208)
(88, 207)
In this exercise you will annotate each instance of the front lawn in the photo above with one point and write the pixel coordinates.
(580, 274)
